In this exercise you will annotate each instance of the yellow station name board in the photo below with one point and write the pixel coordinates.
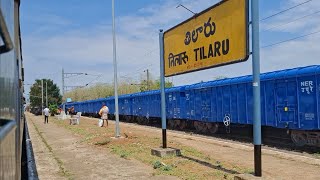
(215, 37)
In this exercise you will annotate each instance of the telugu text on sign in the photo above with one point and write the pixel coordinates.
(214, 37)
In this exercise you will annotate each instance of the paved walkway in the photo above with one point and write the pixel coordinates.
(60, 155)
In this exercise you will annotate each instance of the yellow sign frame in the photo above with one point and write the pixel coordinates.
(214, 37)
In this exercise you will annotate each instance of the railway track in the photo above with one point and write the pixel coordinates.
(271, 137)
(278, 139)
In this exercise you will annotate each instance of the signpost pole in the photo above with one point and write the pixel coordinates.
(163, 100)
(256, 87)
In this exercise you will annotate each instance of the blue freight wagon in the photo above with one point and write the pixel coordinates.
(289, 101)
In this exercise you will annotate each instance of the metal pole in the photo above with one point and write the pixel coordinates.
(163, 100)
(148, 80)
(256, 87)
(115, 73)
(42, 94)
(64, 103)
(62, 81)
(46, 94)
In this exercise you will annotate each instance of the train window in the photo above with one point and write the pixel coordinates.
(5, 36)
(182, 94)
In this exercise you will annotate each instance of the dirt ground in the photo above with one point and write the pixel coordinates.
(61, 155)
(86, 151)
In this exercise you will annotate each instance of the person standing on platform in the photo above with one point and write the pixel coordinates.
(104, 111)
(46, 115)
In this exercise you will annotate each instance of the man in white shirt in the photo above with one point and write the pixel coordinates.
(104, 113)
(46, 114)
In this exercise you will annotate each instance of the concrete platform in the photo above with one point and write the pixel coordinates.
(162, 152)
(249, 177)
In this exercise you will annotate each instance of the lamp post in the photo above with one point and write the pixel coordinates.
(148, 87)
(46, 94)
(42, 94)
(115, 74)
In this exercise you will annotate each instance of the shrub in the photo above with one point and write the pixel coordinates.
(53, 109)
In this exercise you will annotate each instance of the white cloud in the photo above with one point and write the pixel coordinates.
(76, 50)
(89, 49)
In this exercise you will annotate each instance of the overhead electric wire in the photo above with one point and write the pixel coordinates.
(281, 42)
(137, 70)
(273, 27)
(285, 10)
(98, 77)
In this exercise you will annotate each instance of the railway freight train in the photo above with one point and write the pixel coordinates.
(12, 124)
(290, 102)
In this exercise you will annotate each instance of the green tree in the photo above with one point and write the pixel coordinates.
(53, 93)
(156, 84)
(153, 84)
(125, 86)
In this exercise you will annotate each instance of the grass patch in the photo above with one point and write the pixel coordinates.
(193, 164)
(219, 165)
(317, 154)
(103, 142)
(157, 164)
(249, 171)
(120, 151)
(167, 168)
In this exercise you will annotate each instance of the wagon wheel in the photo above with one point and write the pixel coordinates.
(195, 125)
(140, 120)
(212, 127)
(127, 118)
(299, 138)
(200, 128)
(203, 127)
(176, 124)
(145, 120)
(134, 119)
(182, 125)
(170, 123)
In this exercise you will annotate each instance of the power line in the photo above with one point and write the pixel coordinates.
(273, 27)
(180, 5)
(98, 77)
(285, 10)
(140, 69)
(291, 39)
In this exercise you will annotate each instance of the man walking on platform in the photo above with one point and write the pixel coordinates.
(46, 115)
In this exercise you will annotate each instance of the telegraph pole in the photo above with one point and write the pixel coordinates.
(62, 81)
(46, 93)
(64, 104)
(42, 94)
(148, 87)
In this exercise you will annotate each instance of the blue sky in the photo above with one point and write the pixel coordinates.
(77, 36)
